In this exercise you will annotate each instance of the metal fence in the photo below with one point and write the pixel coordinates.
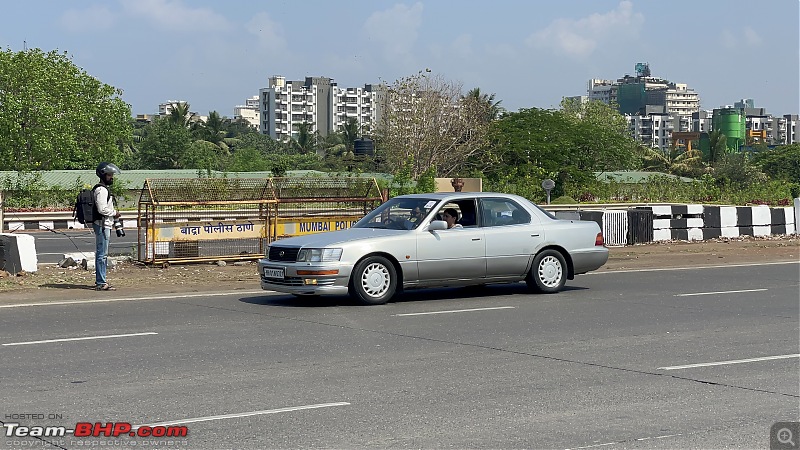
(311, 205)
(210, 219)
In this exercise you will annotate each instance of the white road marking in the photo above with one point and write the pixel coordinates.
(666, 269)
(81, 338)
(622, 442)
(593, 446)
(244, 414)
(735, 361)
(125, 299)
(720, 292)
(455, 311)
(60, 253)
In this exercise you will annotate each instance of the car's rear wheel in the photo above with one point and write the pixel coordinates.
(374, 281)
(548, 273)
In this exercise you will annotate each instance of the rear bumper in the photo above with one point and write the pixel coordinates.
(588, 260)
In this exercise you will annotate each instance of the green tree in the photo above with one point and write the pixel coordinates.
(673, 161)
(780, 163)
(491, 109)
(213, 131)
(601, 141)
(249, 159)
(179, 114)
(53, 115)
(201, 155)
(164, 145)
(717, 146)
(306, 140)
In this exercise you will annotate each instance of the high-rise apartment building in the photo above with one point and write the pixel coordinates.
(318, 101)
(249, 112)
(654, 107)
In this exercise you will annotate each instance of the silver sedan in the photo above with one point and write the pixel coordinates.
(442, 239)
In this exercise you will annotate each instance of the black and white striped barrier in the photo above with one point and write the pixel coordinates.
(691, 222)
(699, 222)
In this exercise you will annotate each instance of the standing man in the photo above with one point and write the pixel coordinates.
(104, 202)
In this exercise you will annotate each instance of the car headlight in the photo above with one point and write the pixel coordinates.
(319, 254)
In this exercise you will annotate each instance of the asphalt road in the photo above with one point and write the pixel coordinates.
(595, 366)
(51, 246)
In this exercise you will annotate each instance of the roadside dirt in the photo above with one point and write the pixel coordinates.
(52, 283)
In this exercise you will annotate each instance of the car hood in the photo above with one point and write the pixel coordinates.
(332, 238)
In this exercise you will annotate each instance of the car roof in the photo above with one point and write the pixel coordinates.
(443, 195)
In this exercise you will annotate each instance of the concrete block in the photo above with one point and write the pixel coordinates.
(694, 209)
(727, 216)
(662, 210)
(762, 230)
(796, 214)
(696, 222)
(18, 253)
(730, 232)
(761, 215)
(696, 234)
(789, 214)
(662, 234)
(661, 224)
(79, 256)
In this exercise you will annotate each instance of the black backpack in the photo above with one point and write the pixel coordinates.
(85, 210)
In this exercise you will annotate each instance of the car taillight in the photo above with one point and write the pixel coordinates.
(599, 239)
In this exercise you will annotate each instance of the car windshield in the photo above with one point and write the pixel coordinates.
(398, 214)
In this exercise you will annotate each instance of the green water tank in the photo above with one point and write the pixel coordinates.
(731, 123)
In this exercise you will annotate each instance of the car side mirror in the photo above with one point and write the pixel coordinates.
(437, 225)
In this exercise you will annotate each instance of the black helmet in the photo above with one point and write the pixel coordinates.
(106, 168)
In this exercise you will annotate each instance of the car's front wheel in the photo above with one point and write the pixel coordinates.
(548, 273)
(374, 281)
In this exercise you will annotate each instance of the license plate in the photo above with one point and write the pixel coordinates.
(273, 273)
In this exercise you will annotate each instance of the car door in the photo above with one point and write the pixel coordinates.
(512, 235)
(454, 254)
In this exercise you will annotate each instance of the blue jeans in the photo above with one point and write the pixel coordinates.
(101, 238)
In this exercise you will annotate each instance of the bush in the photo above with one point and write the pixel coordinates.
(564, 200)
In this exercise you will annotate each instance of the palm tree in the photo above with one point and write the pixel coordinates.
(306, 141)
(350, 133)
(213, 131)
(673, 161)
(717, 146)
(179, 114)
(492, 108)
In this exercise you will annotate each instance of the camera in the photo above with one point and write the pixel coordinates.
(118, 228)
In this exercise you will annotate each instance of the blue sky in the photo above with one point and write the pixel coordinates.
(530, 53)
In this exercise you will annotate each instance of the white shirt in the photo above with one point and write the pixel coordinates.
(105, 206)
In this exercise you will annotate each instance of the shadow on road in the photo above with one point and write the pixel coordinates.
(85, 287)
(412, 295)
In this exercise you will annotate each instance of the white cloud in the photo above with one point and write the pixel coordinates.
(747, 37)
(751, 38)
(93, 18)
(174, 15)
(727, 39)
(462, 46)
(579, 38)
(268, 32)
(395, 30)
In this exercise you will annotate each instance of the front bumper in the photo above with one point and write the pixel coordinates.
(307, 282)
